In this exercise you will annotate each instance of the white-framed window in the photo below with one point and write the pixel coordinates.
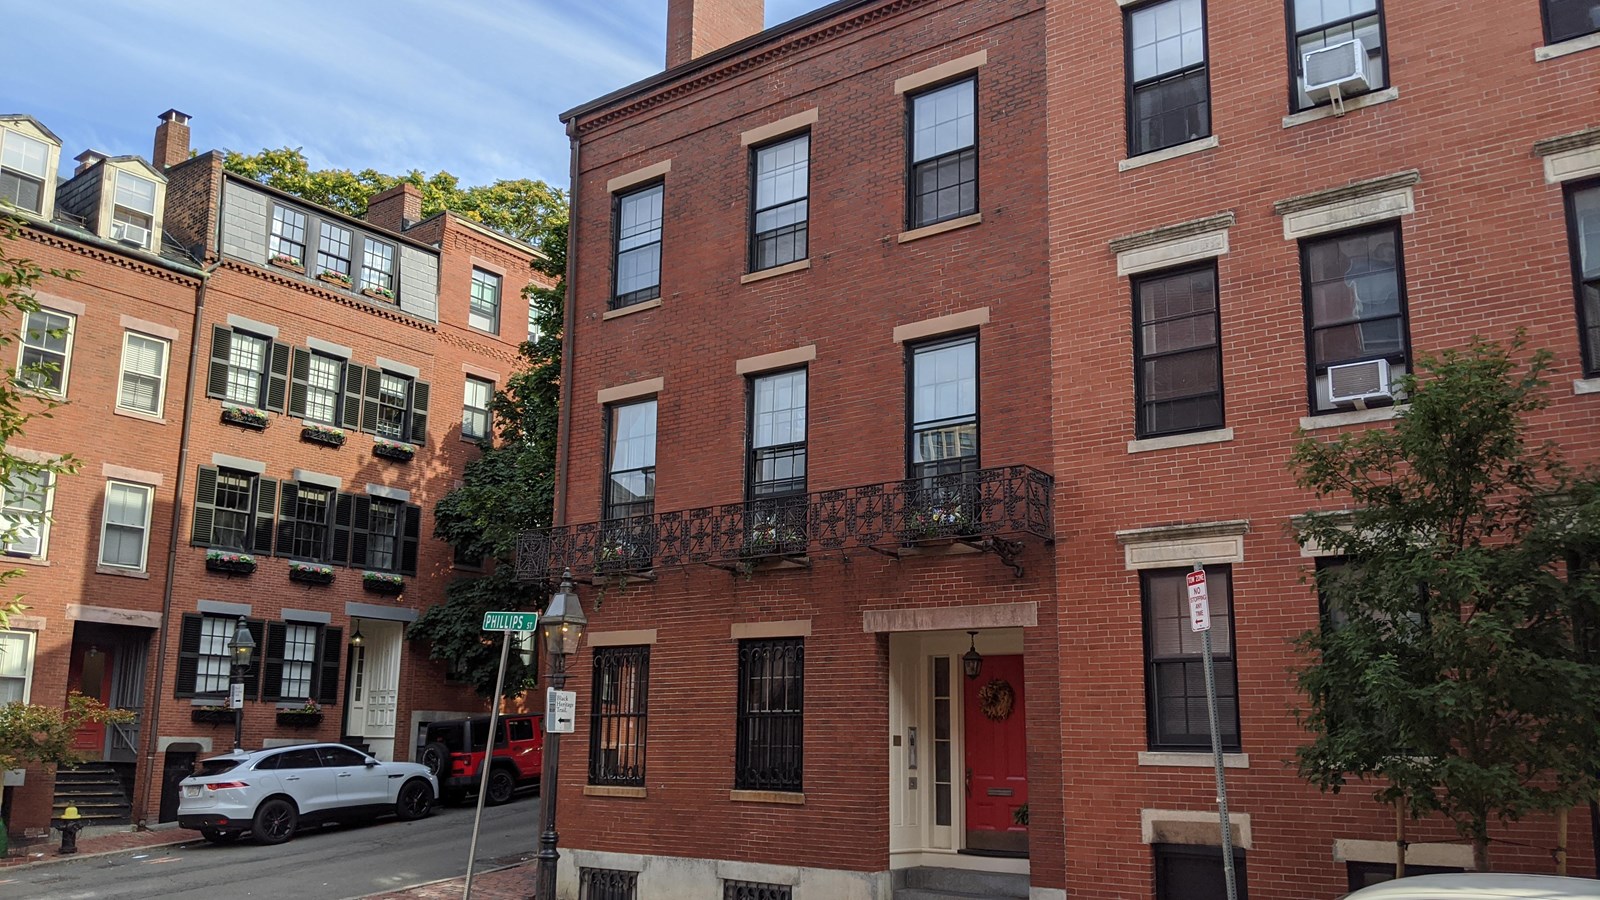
(211, 676)
(25, 514)
(125, 527)
(299, 660)
(483, 311)
(16, 666)
(324, 378)
(24, 161)
(144, 373)
(46, 351)
(133, 214)
(247, 368)
(475, 408)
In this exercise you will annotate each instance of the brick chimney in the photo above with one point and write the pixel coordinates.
(87, 160)
(396, 209)
(172, 140)
(697, 27)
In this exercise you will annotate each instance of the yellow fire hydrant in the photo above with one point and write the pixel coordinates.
(70, 824)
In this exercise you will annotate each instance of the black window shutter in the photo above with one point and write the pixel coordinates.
(299, 375)
(221, 344)
(205, 504)
(278, 377)
(188, 655)
(341, 529)
(419, 412)
(352, 395)
(252, 685)
(266, 501)
(272, 662)
(369, 405)
(332, 648)
(411, 534)
(360, 521)
(288, 495)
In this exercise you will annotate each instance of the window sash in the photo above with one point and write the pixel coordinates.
(16, 666)
(943, 154)
(1583, 232)
(619, 713)
(300, 643)
(213, 658)
(1355, 303)
(483, 310)
(638, 246)
(247, 368)
(144, 373)
(312, 506)
(383, 536)
(943, 417)
(25, 513)
(46, 351)
(324, 384)
(334, 249)
(1195, 872)
(135, 194)
(631, 460)
(1365, 23)
(394, 402)
(1177, 352)
(233, 510)
(377, 265)
(1568, 19)
(475, 408)
(1176, 705)
(125, 525)
(780, 177)
(288, 235)
(24, 154)
(769, 738)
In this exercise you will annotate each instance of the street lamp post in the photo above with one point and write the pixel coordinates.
(242, 644)
(563, 623)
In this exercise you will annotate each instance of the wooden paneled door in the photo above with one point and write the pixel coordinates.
(996, 757)
(89, 673)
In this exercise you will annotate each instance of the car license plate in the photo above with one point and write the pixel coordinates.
(191, 790)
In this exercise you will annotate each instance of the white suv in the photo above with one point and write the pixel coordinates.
(269, 793)
(1472, 886)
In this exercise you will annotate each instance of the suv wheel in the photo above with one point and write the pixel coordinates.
(501, 785)
(274, 822)
(414, 801)
(436, 756)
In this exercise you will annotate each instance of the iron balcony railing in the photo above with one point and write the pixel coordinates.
(988, 508)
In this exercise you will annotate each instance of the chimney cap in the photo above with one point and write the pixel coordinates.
(89, 157)
(173, 115)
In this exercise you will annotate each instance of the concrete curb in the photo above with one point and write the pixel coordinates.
(422, 884)
(53, 858)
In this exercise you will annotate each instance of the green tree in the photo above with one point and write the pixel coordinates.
(1455, 666)
(33, 733)
(521, 207)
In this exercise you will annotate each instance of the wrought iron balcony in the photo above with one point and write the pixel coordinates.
(989, 510)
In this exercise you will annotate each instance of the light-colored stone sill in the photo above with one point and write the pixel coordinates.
(917, 234)
(1193, 439)
(141, 416)
(606, 790)
(1166, 153)
(1567, 47)
(1194, 760)
(1318, 113)
(1586, 386)
(1353, 417)
(9, 560)
(630, 309)
(788, 798)
(103, 569)
(799, 265)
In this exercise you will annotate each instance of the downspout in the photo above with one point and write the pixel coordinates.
(569, 327)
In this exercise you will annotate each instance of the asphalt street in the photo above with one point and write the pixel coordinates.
(319, 864)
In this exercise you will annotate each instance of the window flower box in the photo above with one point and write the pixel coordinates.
(310, 573)
(383, 583)
(244, 417)
(285, 261)
(395, 450)
(308, 716)
(212, 715)
(770, 539)
(941, 521)
(332, 277)
(323, 434)
(230, 562)
(379, 293)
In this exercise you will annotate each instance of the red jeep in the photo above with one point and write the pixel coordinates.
(517, 762)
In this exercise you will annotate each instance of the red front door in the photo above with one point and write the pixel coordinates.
(997, 756)
(89, 673)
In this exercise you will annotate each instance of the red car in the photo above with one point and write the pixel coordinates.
(458, 764)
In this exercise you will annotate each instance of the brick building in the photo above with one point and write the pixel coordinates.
(1077, 277)
(263, 396)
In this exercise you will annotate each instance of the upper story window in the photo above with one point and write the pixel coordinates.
(1324, 23)
(944, 407)
(247, 368)
(780, 215)
(1355, 307)
(394, 404)
(1567, 19)
(233, 510)
(1175, 693)
(1169, 92)
(638, 262)
(333, 249)
(204, 661)
(1583, 224)
(25, 514)
(16, 666)
(777, 435)
(144, 373)
(46, 351)
(391, 405)
(324, 379)
(309, 524)
(631, 461)
(383, 535)
(234, 517)
(288, 236)
(133, 213)
(483, 311)
(944, 153)
(377, 267)
(24, 168)
(125, 525)
(1177, 353)
(475, 408)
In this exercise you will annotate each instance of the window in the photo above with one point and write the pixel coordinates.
(299, 661)
(638, 265)
(313, 511)
(778, 435)
(755, 890)
(1193, 872)
(1175, 684)
(125, 530)
(769, 735)
(617, 712)
(944, 407)
(1583, 218)
(247, 368)
(944, 153)
(393, 393)
(1324, 23)
(607, 884)
(779, 217)
(46, 349)
(25, 513)
(394, 406)
(383, 536)
(144, 373)
(475, 408)
(204, 658)
(376, 533)
(134, 209)
(377, 266)
(333, 249)
(24, 164)
(215, 658)
(483, 312)
(631, 463)
(1367, 874)
(288, 235)
(1563, 20)
(324, 377)
(16, 666)
(1177, 352)
(1169, 93)
(1355, 304)
(234, 511)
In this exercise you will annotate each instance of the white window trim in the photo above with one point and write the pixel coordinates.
(122, 371)
(66, 364)
(30, 642)
(105, 522)
(44, 522)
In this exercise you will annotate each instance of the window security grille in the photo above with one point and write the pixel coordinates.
(750, 890)
(607, 884)
(619, 709)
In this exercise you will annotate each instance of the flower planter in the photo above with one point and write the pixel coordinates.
(318, 434)
(383, 585)
(309, 575)
(287, 262)
(296, 719)
(383, 296)
(333, 279)
(396, 452)
(211, 716)
(253, 419)
(230, 566)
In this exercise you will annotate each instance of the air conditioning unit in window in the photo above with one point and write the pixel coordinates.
(1334, 71)
(1359, 383)
(133, 235)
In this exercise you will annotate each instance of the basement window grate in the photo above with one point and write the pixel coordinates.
(607, 884)
(750, 890)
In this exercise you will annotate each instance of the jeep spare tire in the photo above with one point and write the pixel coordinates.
(436, 756)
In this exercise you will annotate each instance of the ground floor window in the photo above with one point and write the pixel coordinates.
(769, 740)
(1185, 872)
(607, 884)
(1365, 874)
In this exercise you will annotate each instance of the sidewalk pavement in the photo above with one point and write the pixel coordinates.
(510, 883)
(45, 851)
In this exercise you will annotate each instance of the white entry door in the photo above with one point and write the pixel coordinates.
(375, 686)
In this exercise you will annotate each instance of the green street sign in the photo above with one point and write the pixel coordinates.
(510, 621)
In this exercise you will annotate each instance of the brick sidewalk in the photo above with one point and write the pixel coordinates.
(45, 851)
(514, 883)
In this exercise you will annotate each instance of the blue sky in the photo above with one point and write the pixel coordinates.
(469, 86)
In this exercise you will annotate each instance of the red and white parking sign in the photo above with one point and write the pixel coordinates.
(1199, 602)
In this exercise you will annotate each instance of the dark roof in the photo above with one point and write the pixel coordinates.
(326, 210)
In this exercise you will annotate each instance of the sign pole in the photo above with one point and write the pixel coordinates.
(488, 757)
(1200, 620)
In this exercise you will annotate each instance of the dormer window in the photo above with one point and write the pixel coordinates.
(24, 163)
(134, 210)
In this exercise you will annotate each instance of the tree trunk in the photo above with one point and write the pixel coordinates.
(1561, 841)
(1400, 838)
(1480, 853)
